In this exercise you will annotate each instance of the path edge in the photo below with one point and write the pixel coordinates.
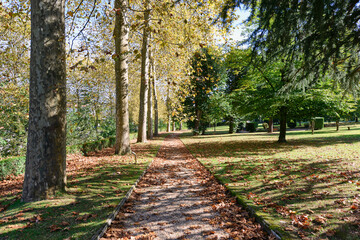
(112, 215)
(264, 224)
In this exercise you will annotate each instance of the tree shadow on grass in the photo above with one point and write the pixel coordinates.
(79, 213)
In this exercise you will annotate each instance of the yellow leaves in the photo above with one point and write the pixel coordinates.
(70, 13)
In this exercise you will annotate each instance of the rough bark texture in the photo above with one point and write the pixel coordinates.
(150, 107)
(45, 171)
(144, 77)
(283, 114)
(156, 108)
(121, 33)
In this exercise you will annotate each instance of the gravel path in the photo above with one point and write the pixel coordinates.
(179, 199)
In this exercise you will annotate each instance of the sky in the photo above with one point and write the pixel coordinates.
(236, 34)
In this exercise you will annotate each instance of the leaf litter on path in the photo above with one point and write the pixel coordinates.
(179, 199)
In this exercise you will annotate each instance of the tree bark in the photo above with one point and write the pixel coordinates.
(121, 33)
(150, 112)
(231, 125)
(271, 125)
(173, 126)
(144, 76)
(156, 108)
(283, 115)
(45, 170)
(169, 122)
(180, 125)
(337, 124)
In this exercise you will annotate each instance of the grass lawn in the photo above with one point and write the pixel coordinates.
(96, 184)
(307, 188)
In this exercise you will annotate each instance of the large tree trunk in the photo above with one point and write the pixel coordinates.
(283, 114)
(121, 33)
(156, 109)
(45, 171)
(144, 76)
(150, 112)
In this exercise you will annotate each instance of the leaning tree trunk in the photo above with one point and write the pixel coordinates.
(156, 108)
(283, 114)
(121, 33)
(144, 76)
(45, 170)
(150, 112)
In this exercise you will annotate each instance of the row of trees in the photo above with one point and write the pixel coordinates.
(72, 46)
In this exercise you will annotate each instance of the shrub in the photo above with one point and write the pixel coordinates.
(97, 145)
(306, 125)
(291, 124)
(12, 166)
(250, 127)
(319, 123)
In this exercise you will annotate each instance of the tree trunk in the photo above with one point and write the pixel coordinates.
(231, 125)
(169, 123)
(156, 109)
(121, 33)
(180, 125)
(150, 112)
(214, 126)
(144, 76)
(337, 124)
(271, 125)
(282, 135)
(45, 170)
(197, 122)
(312, 127)
(173, 126)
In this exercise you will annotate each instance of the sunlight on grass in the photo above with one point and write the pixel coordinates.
(308, 186)
(96, 184)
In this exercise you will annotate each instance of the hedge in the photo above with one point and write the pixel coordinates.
(12, 166)
(97, 145)
(251, 127)
(16, 165)
(319, 123)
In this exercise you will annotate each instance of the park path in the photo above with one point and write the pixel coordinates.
(178, 199)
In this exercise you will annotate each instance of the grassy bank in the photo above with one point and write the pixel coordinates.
(96, 184)
(309, 187)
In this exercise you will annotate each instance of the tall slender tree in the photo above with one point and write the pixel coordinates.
(150, 105)
(156, 108)
(121, 33)
(45, 171)
(144, 75)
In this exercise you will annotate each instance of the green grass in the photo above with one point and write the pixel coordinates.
(96, 184)
(306, 187)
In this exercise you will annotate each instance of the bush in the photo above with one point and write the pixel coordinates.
(306, 125)
(12, 166)
(250, 127)
(291, 124)
(319, 123)
(97, 145)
